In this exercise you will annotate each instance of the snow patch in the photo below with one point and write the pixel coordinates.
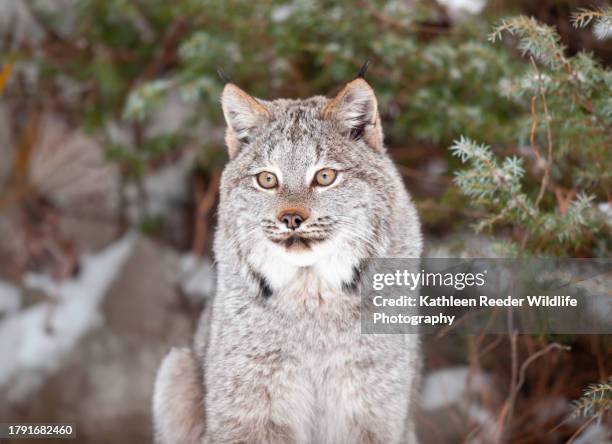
(458, 387)
(461, 7)
(450, 386)
(196, 277)
(282, 13)
(34, 342)
(10, 298)
(596, 433)
(605, 208)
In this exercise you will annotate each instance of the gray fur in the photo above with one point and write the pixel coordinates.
(282, 358)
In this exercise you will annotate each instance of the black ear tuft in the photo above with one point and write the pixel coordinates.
(356, 133)
(226, 78)
(362, 71)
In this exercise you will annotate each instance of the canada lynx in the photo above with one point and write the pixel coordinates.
(308, 194)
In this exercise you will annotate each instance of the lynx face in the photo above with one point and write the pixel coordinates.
(306, 176)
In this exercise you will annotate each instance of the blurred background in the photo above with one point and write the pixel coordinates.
(498, 114)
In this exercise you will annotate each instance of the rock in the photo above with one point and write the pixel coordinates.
(197, 278)
(105, 385)
(450, 396)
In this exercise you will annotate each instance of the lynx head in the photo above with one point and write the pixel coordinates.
(308, 180)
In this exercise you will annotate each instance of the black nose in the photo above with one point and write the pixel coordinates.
(292, 220)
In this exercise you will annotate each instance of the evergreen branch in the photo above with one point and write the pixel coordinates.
(535, 39)
(595, 401)
(583, 17)
(601, 18)
(503, 179)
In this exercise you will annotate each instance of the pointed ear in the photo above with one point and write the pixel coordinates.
(243, 115)
(355, 109)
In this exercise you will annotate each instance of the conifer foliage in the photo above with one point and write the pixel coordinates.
(554, 186)
(532, 122)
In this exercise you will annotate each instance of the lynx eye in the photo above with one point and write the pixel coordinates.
(267, 180)
(325, 177)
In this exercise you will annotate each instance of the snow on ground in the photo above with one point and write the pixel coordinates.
(461, 7)
(196, 277)
(458, 387)
(34, 342)
(450, 386)
(10, 298)
(595, 434)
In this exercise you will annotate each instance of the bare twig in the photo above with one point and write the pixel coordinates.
(514, 384)
(205, 200)
(548, 166)
(581, 429)
(534, 125)
(507, 409)
(564, 198)
(20, 187)
(5, 73)
(532, 358)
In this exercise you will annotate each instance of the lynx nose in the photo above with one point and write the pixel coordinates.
(292, 220)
